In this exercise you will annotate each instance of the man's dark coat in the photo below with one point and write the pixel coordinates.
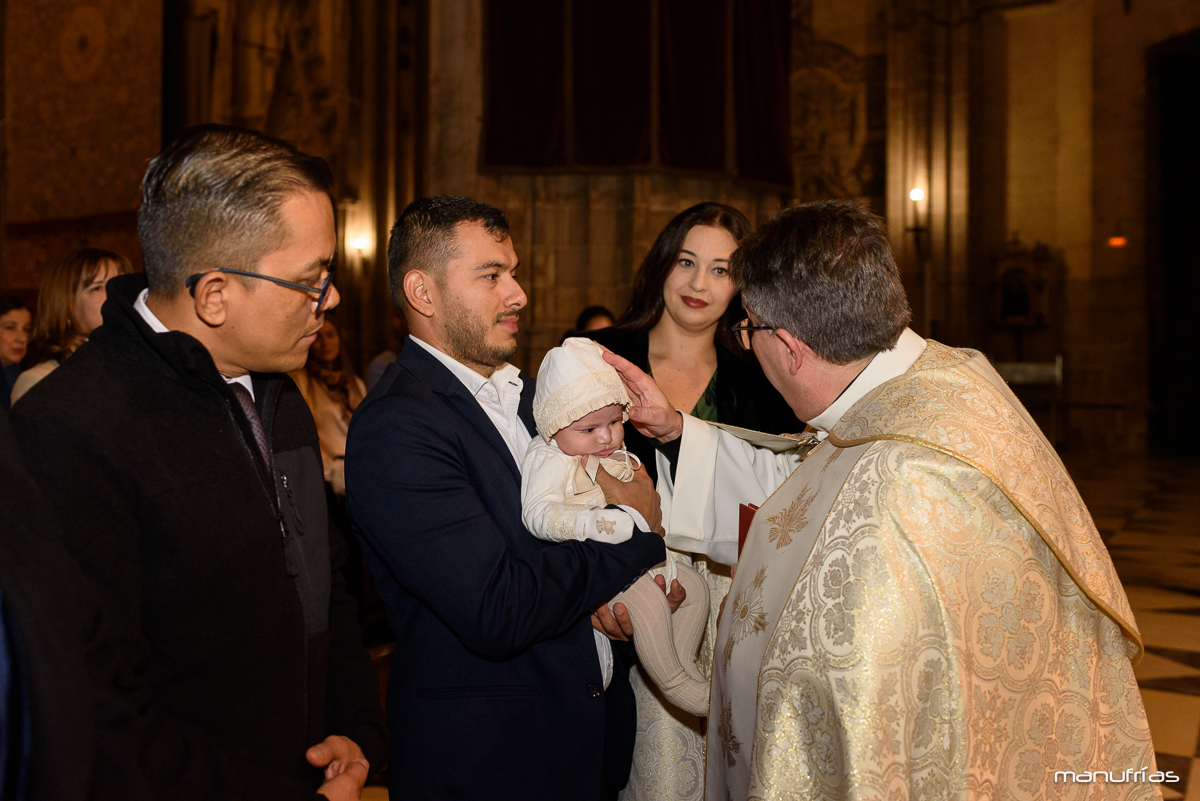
(222, 579)
(495, 689)
(69, 719)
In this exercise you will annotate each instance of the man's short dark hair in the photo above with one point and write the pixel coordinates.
(211, 199)
(824, 272)
(423, 236)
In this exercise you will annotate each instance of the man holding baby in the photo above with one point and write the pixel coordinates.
(495, 688)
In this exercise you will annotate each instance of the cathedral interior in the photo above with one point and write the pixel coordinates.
(1036, 162)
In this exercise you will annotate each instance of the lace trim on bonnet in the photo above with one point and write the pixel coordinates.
(574, 380)
(578, 397)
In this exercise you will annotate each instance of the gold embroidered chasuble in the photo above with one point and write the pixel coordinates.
(957, 629)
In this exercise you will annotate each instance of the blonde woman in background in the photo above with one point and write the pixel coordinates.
(332, 391)
(68, 309)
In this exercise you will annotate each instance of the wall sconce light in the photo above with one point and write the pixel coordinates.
(361, 243)
(916, 196)
(1117, 242)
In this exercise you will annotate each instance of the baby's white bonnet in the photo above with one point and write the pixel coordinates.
(574, 381)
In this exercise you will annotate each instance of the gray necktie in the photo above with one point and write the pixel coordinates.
(256, 426)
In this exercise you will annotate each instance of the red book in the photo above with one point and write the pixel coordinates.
(745, 518)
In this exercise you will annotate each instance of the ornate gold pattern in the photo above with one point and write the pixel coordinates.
(790, 520)
(730, 745)
(833, 455)
(938, 642)
(747, 614)
(668, 757)
(954, 402)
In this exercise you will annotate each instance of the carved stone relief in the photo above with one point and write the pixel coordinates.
(838, 145)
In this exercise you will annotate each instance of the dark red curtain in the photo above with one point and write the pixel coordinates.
(762, 44)
(523, 96)
(691, 68)
(611, 54)
(525, 114)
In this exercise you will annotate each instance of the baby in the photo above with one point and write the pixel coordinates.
(579, 407)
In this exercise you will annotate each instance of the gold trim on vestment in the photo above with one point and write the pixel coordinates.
(799, 575)
(942, 353)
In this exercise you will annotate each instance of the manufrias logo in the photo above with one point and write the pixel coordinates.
(1112, 777)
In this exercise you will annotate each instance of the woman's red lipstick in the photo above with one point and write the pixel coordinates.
(693, 303)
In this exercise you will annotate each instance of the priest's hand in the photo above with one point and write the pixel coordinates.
(638, 492)
(346, 769)
(616, 625)
(651, 412)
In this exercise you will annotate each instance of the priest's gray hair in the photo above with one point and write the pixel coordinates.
(212, 200)
(824, 272)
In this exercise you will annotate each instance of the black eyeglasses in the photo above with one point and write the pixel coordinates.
(745, 331)
(322, 292)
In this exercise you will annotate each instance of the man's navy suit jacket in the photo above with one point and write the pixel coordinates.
(495, 688)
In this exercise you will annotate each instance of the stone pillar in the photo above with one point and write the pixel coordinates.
(928, 65)
(82, 93)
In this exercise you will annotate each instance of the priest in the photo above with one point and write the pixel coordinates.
(923, 607)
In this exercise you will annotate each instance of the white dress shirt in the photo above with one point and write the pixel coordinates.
(157, 326)
(498, 396)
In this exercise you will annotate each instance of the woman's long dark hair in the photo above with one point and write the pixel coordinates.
(10, 303)
(646, 305)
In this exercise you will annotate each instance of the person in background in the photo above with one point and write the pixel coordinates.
(68, 310)
(332, 391)
(380, 363)
(593, 318)
(677, 328)
(15, 327)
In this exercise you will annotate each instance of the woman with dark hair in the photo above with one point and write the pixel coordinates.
(15, 327)
(68, 309)
(678, 328)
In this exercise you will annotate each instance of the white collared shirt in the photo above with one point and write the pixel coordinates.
(885, 366)
(498, 396)
(157, 326)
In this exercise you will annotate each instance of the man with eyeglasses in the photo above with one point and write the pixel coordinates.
(922, 604)
(184, 467)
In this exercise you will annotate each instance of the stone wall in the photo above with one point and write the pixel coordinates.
(83, 117)
(579, 236)
(1059, 152)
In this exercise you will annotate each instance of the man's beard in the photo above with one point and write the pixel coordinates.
(466, 337)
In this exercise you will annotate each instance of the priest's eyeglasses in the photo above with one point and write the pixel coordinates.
(322, 291)
(745, 331)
